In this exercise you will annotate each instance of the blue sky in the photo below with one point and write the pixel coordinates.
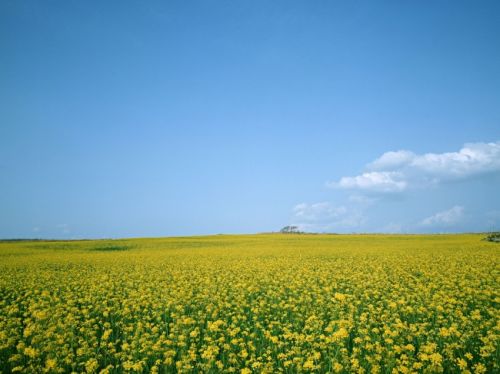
(122, 119)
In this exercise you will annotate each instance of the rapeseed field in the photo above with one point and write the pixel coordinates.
(251, 304)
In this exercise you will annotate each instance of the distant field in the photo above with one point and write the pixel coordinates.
(254, 303)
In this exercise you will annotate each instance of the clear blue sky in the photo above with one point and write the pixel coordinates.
(157, 118)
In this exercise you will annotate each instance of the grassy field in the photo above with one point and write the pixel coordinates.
(253, 303)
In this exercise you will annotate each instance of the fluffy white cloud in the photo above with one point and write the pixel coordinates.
(445, 218)
(392, 160)
(379, 181)
(399, 170)
(472, 159)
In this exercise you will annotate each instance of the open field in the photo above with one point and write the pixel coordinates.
(254, 303)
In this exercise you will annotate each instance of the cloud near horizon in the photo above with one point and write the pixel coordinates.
(397, 171)
(325, 216)
(386, 180)
(445, 218)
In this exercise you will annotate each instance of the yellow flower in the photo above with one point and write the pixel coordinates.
(340, 333)
(337, 367)
(308, 365)
(339, 296)
(106, 334)
(91, 365)
(50, 364)
(462, 364)
(479, 368)
(436, 358)
(30, 352)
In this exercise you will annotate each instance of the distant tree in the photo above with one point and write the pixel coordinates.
(493, 237)
(290, 230)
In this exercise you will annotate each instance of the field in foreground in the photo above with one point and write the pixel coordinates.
(255, 303)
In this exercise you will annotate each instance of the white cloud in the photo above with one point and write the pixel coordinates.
(445, 218)
(399, 170)
(472, 159)
(318, 211)
(392, 160)
(378, 181)
(325, 217)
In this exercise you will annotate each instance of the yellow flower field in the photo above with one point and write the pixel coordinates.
(251, 304)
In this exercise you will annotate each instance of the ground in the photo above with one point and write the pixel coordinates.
(251, 303)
